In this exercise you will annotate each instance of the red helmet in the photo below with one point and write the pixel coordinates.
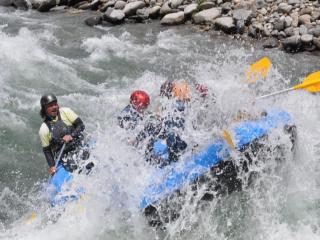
(140, 100)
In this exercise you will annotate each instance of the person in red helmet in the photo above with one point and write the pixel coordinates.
(140, 100)
(133, 113)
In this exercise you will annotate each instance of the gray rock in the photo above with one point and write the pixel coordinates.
(289, 31)
(306, 38)
(263, 11)
(287, 21)
(92, 21)
(258, 26)
(293, 2)
(295, 19)
(166, 9)
(143, 12)
(226, 7)
(206, 5)
(45, 6)
(120, 5)
(309, 47)
(306, 10)
(274, 33)
(305, 19)
(267, 30)
(190, 9)
(316, 42)
(175, 3)
(226, 24)
(154, 12)
(181, 7)
(315, 31)
(303, 29)
(173, 18)
(269, 27)
(114, 16)
(35, 3)
(152, 3)
(241, 26)
(105, 6)
(260, 3)
(292, 43)
(256, 29)
(132, 7)
(284, 8)
(315, 15)
(252, 32)
(275, 15)
(142, 15)
(279, 24)
(206, 16)
(281, 35)
(242, 14)
(21, 4)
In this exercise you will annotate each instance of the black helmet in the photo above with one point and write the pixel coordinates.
(47, 98)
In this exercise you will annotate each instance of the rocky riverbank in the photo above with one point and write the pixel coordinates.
(292, 25)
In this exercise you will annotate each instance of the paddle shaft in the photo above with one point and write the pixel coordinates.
(60, 154)
(311, 83)
(276, 93)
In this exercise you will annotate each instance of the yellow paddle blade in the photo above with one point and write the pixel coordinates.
(31, 218)
(258, 70)
(310, 83)
(227, 136)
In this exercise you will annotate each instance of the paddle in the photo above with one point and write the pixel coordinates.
(258, 70)
(311, 83)
(59, 155)
(255, 72)
(34, 214)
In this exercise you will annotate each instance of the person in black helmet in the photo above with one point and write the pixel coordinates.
(60, 125)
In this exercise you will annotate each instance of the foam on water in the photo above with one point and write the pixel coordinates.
(284, 204)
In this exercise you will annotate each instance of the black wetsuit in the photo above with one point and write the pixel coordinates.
(76, 147)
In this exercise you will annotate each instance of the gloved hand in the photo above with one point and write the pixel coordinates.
(67, 138)
(52, 170)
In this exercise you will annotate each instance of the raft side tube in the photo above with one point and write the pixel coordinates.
(173, 177)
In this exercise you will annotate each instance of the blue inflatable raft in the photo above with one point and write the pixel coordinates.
(59, 189)
(165, 181)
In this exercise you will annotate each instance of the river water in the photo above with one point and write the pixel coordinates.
(93, 71)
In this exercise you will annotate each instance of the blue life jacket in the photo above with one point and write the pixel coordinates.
(169, 149)
(129, 118)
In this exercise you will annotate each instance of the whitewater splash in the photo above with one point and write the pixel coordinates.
(95, 75)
